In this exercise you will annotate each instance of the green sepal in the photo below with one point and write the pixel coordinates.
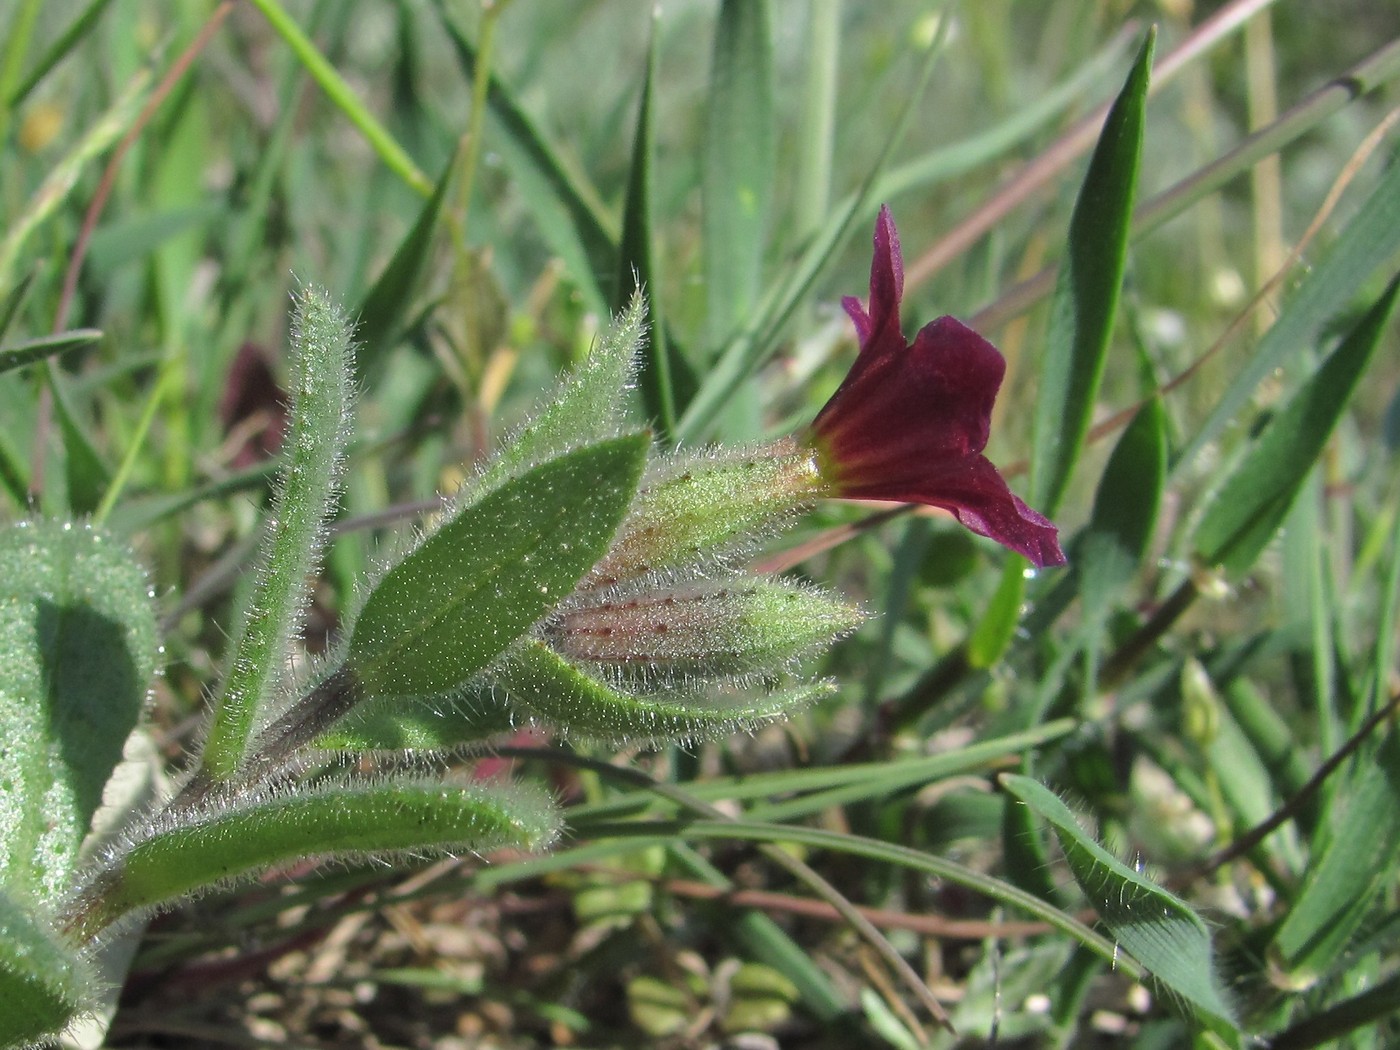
(78, 630)
(1155, 927)
(324, 821)
(704, 506)
(476, 584)
(539, 681)
(44, 985)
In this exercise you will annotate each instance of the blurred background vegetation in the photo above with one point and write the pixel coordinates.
(176, 208)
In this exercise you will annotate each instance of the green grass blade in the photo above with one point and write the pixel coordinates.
(64, 43)
(1249, 508)
(61, 180)
(637, 274)
(564, 206)
(343, 97)
(381, 315)
(748, 349)
(86, 474)
(1357, 866)
(737, 166)
(1086, 295)
(17, 355)
(1155, 927)
(1368, 242)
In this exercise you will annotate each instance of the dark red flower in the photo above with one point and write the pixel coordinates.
(910, 421)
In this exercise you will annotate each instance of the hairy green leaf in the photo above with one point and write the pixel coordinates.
(78, 631)
(1155, 927)
(318, 429)
(541, 682)
(326, 821)
(472, 587)
(43, 983)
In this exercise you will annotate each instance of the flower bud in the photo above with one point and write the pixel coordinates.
(746, 628)
(708, 506)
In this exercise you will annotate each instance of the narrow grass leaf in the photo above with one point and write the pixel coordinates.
(564, 207)
(85, 472)
(77, 626)
(61, 180)
(343, 96)
(1086, 295)
(326, 822)
(381, 314)
(17, 355)
(1250, 506)
(1357, 866)
(1158, 929)
(997, 627)
(637, 274)
(737, 165)
(1368, 242)
(43, 983)
(13, 300)
(474, 586)
(64, 43)
(318, 429)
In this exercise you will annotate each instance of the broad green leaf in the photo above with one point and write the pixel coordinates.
(1356, 867)
(78, 631)
(474, 586)
(381, 313)
(637, 274)
(1158, 929)
(1367, 243)
(737, 165)
(17, 355)
(1251, 505)
(326, 821)
(537, 680)
(43, 983)
(318, 428)
(1086, 295)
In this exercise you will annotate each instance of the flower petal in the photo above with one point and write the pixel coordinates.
(978, 497)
